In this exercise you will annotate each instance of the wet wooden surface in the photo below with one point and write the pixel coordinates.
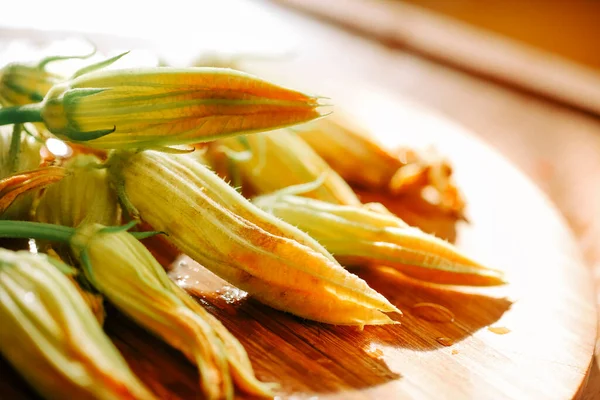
(548, 308)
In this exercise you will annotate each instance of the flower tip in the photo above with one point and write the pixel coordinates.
(394, 309)
(321, 101)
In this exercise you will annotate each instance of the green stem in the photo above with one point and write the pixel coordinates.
(15, 148)
(35, 230)
(21, 114)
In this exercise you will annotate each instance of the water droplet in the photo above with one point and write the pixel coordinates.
(454, 351)
(498, 330)
(32, 246)
(29, 297)
(182, 264)
(433, 312)
(231, 294)
(444, 341)
(373, 351)
(182, 281)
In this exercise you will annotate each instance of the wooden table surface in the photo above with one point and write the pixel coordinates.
(554, 145)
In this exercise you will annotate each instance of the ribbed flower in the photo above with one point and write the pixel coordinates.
(18, 153)
(14, 187)
(212, 223)
(51, 337)
(359, 235)
(154, 107)
(271, 161)
(120, 267)
(22, 84)
(365, 163)
(85, 195)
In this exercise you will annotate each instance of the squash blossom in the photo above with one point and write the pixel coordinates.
(154, 107)
(18, 153)
(85, 195)
(212, 223)
(423, 174)
(21, 184)
(271, 161)
(94, 300)
(363, 236)
(50, 336)
(22, 84)
(125, 272)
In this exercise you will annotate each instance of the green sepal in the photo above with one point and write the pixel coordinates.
(130, 209)
(98, 65)
(61, 266)
(128, 226)
(71, 97)
(90, 135)
(120, 228)
(86, 264)
(45, 61)
(147, 234)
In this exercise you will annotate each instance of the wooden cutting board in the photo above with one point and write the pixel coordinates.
(533, 338)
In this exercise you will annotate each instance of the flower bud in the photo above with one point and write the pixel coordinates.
(27, 158)
(154, 107)
(84, 196)
(124, 271)
(22, 84)
(51, 337)
(14, 187)
(359, 235)
(424, 175)
(271, 161)
(212, 223)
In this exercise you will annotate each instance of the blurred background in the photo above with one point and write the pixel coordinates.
(567, 28)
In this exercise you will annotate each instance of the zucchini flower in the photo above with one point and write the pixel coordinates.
(93, 299)
(156, 107)
(22, 84)
(124, 271)
(271, 161)
(119, 267)
(27, 152)
(212, 223)
(14, 186)
(51, 337)
(359, 235)
(84, 196)
(18, 153)
(422, 174)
